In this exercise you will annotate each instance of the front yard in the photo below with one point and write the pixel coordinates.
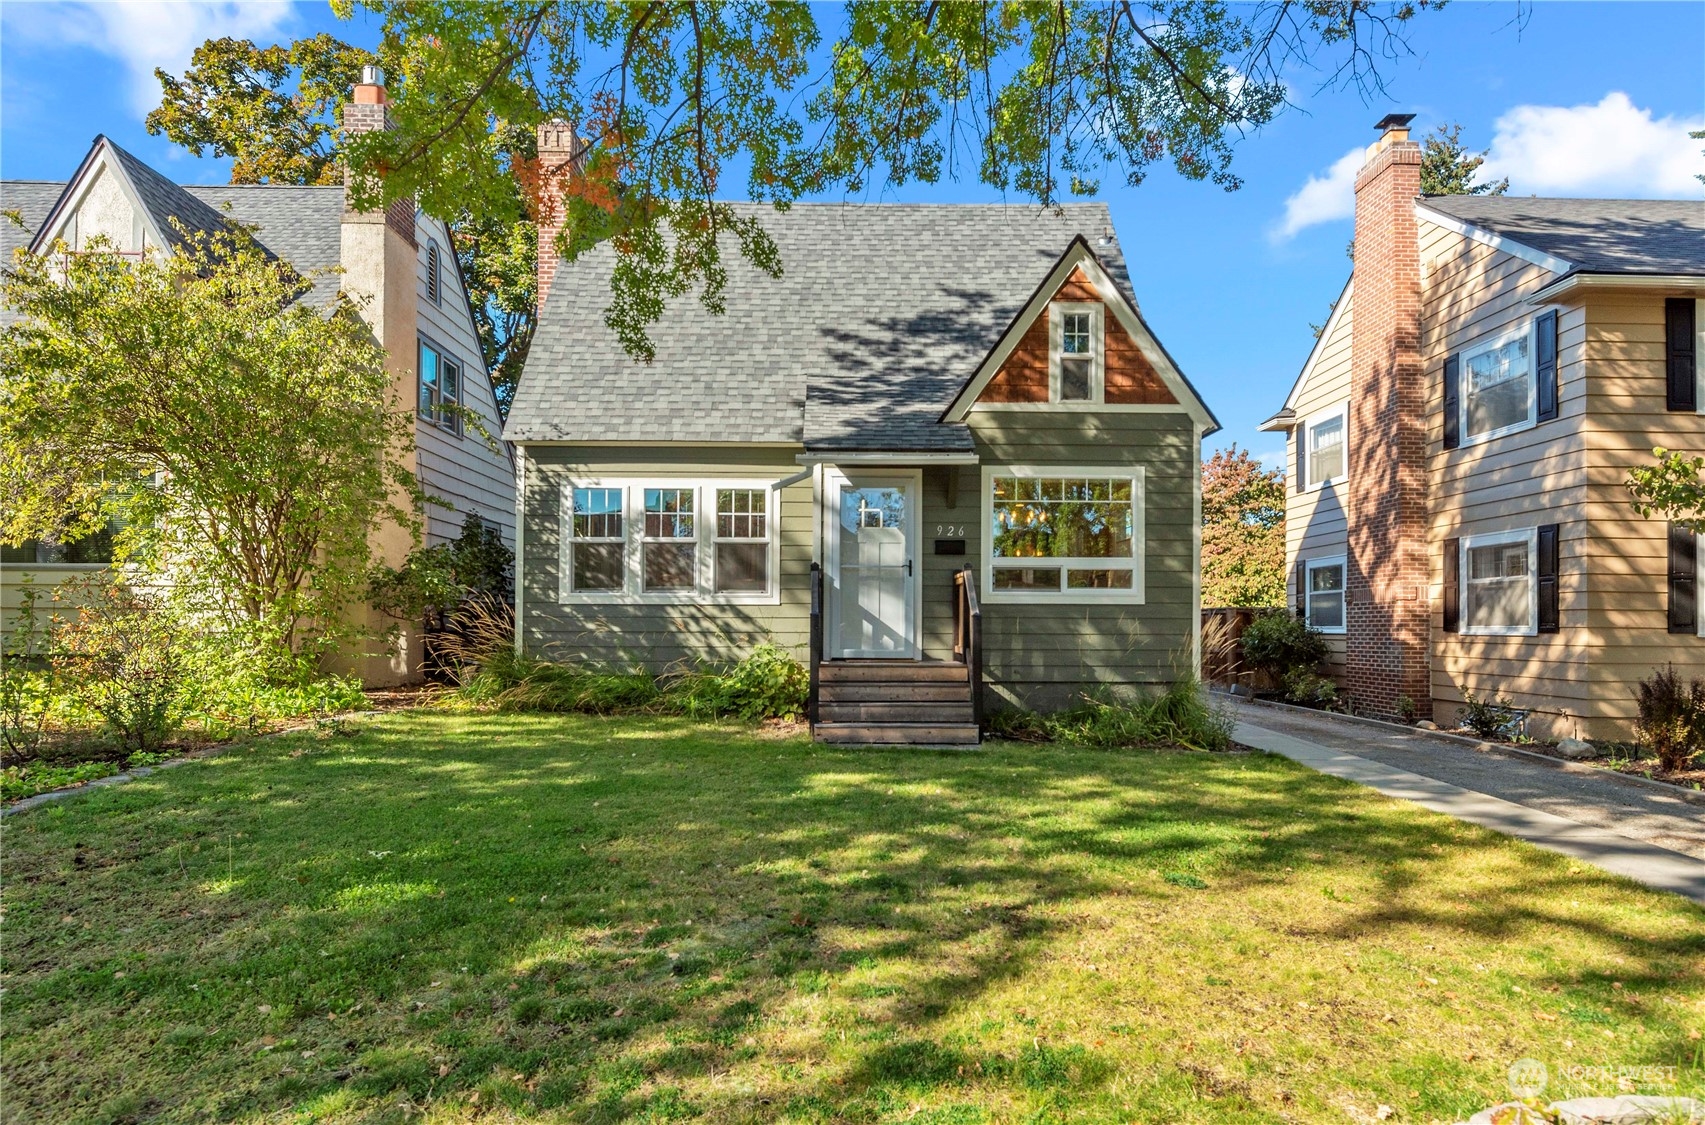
(446, 917)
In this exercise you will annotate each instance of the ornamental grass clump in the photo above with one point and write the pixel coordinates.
(1671, 722)
(1179, 716)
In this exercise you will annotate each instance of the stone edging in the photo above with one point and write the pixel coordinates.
(1691, 796)
(35, 799)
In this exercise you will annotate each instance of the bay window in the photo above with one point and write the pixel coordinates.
(1057, 534)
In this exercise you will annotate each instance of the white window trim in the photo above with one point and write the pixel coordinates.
(1493, 344)
(1699, 368)
(1057, 311)
(1528, 535)
(1309, 567)
(633, 527)
(1136, 595)
(1339, 410)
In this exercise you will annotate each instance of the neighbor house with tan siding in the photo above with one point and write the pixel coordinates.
(397, 264)
(942, 456)
(1459, 442)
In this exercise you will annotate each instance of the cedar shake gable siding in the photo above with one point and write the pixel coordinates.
(1129, 377)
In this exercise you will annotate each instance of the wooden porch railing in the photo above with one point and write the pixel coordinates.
(816, 640)
(968, 636)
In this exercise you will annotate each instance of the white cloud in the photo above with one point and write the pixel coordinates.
(1614, 148)
(1324, 198)
(144, 34)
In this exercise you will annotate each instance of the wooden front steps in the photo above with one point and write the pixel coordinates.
(895, 703)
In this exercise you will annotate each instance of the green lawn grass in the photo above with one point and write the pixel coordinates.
(455, 917)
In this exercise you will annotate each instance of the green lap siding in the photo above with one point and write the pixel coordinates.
(1046, 656)
(1038, 655)
(657, 636)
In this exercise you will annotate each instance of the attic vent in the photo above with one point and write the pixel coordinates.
(432, 272)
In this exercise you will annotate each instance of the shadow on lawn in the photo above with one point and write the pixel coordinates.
(548, 912)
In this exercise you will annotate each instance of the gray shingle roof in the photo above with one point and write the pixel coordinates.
(301, 225)
(1632, 236)
(882, 312)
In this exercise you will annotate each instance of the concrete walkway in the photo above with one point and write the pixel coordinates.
(1624, 827)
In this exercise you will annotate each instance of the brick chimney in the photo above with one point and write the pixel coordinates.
(369, 111)
(559, 156)
(1387, 610)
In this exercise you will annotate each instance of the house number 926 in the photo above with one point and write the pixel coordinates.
(950, 529)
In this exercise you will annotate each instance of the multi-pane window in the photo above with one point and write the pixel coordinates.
(1324, 599)
(742, 562)
(668, 540)
(1497, 387)
(440, 388)
(669, 543)
(597, 554)
(1077, 363)
(1076, 358)
(1064, 534)
(1326, 450)
(1498, 583)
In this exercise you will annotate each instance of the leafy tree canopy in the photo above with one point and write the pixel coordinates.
(1448, 168)
(1243, 531)
(248, 443)
(674, 98)
(1673, 488)
(273, 112)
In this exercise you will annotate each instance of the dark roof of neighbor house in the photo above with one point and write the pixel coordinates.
(1626, 236)
(882, 312)
(300, 224)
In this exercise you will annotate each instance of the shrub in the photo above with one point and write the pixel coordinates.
(1179, 716)
(1671, 722)
(27, 683)
(1277, 643)
(122, 655)
(1310, 689)
(767, 684)
(474, 564)
(1489, 717)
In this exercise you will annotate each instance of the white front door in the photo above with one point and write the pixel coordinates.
(872, 535)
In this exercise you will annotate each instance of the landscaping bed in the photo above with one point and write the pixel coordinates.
(557, 917)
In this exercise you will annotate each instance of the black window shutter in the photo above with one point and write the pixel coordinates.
(1302, 457)
(1452, 585)
(1547, 572)
(1683, 580)
(1681, 385)
(1302, 589)
(1545, 365)
(1453, 401)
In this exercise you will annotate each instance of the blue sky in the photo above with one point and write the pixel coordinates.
(1580, 99)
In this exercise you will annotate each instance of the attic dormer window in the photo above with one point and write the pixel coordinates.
(1076, 363)
(434, 288)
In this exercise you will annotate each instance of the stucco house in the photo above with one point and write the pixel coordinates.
(398, 261)
(944, 439)
(1459, 441)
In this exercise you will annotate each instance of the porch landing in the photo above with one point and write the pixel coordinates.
(895, 702)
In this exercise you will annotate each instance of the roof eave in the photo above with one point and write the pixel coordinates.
(1601, 279)
(1284, 421)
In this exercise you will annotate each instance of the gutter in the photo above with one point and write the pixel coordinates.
(1579, 281)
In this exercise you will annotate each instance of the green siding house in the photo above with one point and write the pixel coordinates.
(942, 458)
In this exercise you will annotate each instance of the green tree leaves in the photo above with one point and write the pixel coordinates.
(250, 444)
(673, 97)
